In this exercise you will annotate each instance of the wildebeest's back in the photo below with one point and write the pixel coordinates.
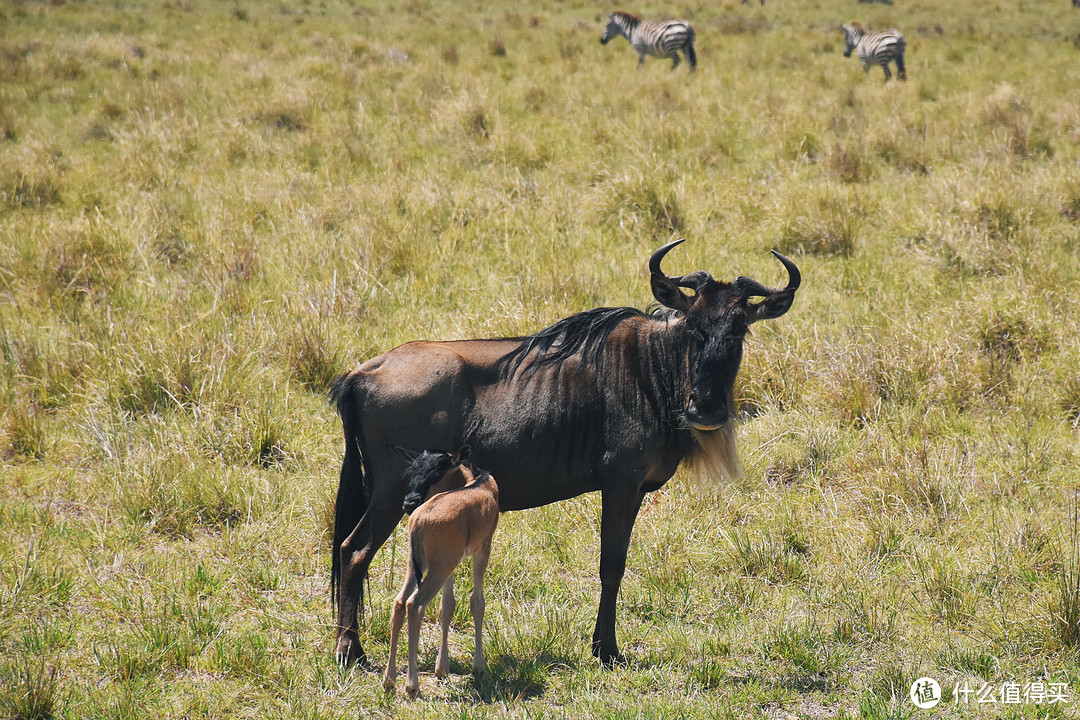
(417, 394)
(547, 431)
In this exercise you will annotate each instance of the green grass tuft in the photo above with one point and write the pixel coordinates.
(30, 690)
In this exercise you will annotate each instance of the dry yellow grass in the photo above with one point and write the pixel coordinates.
(207, 211)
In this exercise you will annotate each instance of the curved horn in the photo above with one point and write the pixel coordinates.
(794, 276)
(666, 287)
(658, 256)
(752, 288)
(777, 301)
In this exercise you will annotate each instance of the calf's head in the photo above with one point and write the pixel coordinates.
(432, 472)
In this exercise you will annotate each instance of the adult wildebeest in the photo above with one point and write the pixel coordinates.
(609, 399)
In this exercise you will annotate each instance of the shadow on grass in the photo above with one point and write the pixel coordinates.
(509, 678)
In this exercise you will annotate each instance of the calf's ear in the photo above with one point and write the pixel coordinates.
(462, 455)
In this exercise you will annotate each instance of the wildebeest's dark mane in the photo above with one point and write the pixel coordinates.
(582, 334)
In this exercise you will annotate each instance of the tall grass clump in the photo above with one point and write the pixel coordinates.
(1015, 126)
(24, 428)
(828, 222)
(1065, 596)
(30, 690)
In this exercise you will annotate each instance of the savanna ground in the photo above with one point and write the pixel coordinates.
(208, 210)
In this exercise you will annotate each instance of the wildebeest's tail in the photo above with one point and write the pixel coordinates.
(353, 493)
(416, 556)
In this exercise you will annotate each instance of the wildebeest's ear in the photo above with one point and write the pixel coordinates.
(462, 455)
(405, 454)
(667, 293)
(771, 307)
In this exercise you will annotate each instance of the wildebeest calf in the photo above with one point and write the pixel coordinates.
(448, 527)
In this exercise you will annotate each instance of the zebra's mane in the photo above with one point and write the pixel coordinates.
(583, 333)
(858, 26)
(626, 16)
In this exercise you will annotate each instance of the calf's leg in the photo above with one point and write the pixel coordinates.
(396, 619)
(476, 605)
(446, 616)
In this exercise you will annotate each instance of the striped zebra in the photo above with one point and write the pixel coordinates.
(881, 48)
(659, 38)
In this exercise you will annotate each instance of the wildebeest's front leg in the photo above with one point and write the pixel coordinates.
(619, 511)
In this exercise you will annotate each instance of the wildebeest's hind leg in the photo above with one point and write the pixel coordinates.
(357, 552)
(620, 509)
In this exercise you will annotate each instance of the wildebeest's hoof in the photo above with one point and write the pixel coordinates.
(348, 651)
(412, 691)
(608, 657)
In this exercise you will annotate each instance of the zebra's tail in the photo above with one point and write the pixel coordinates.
(901, 73)
(691, 56)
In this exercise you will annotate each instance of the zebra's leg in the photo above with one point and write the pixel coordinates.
(901, 72)
(691, 56)
(674, 60)
(885, 67)
(640, 60)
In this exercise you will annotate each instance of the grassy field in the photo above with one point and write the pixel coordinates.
(209, 210)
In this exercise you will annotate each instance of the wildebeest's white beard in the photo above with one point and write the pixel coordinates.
(715, 459)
